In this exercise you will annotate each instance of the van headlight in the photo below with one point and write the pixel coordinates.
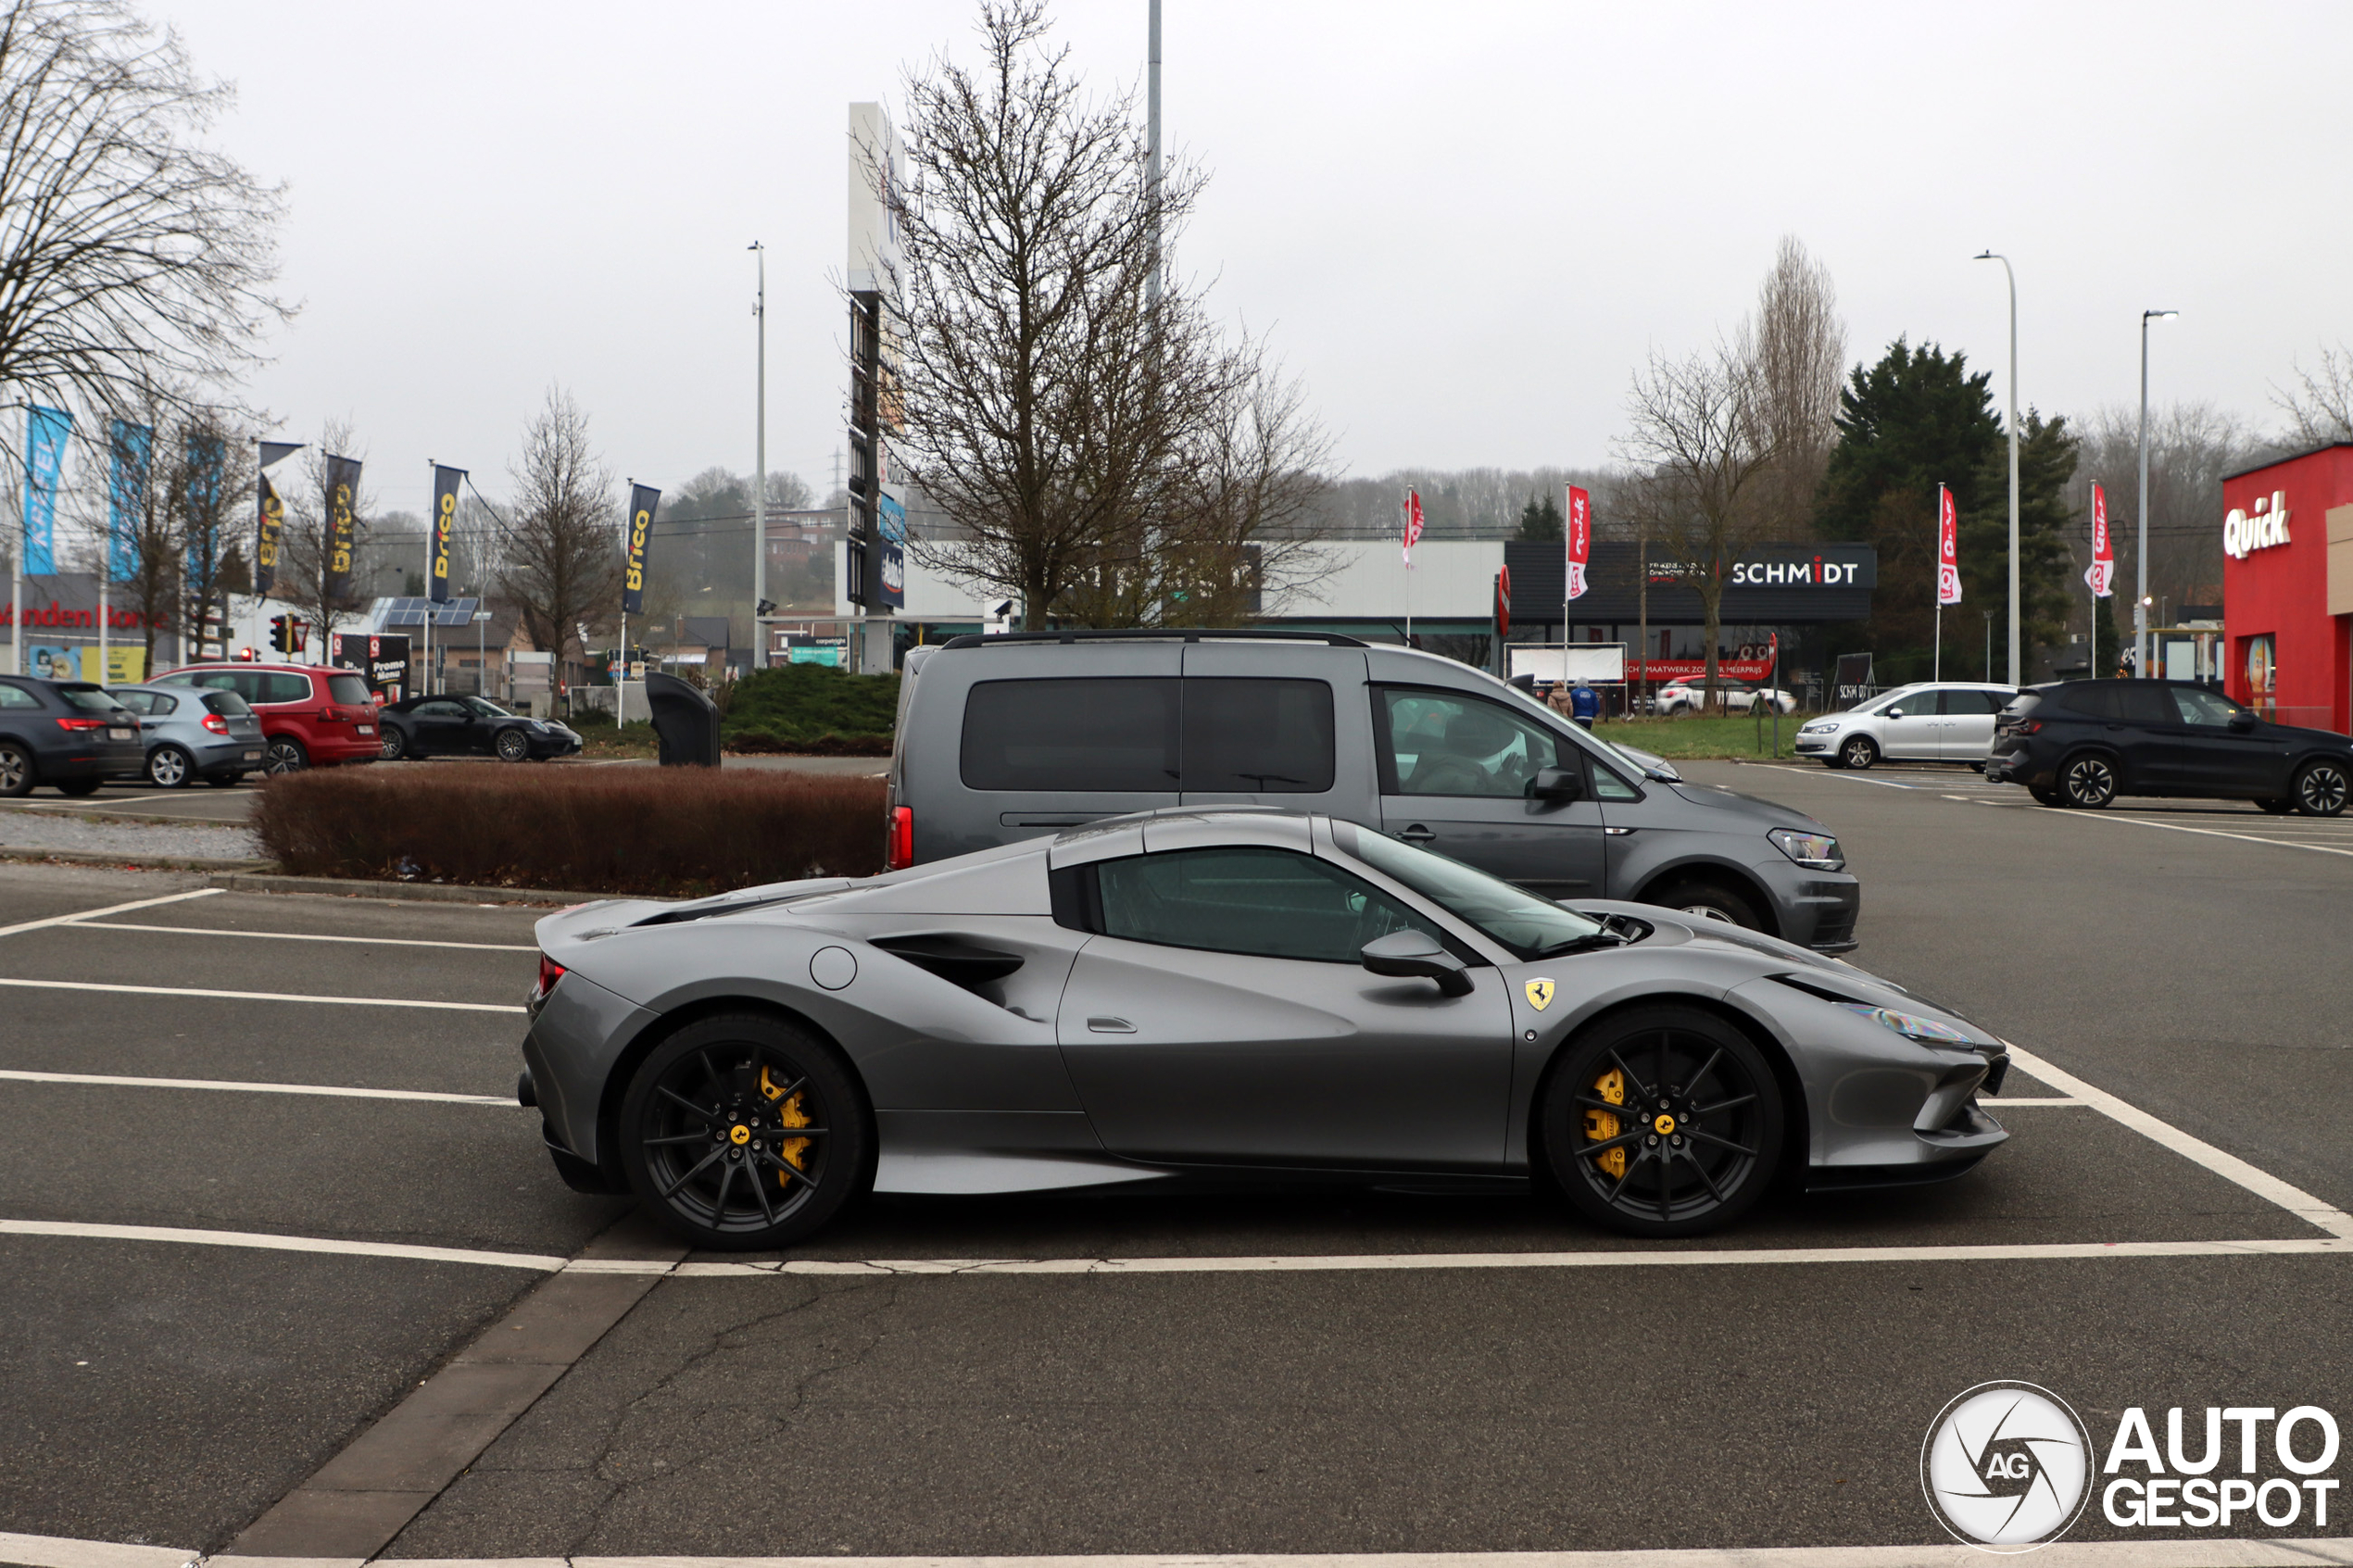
(1815, 851)
(1818, 727)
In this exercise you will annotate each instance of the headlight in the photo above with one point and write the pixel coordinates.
(1911, 1025)
(1815, 851)
(1819, 727)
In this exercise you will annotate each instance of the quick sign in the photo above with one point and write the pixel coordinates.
(2244, 534)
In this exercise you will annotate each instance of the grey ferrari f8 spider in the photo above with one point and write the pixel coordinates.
(1223, 994)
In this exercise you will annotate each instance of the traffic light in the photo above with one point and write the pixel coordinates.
(285, 633)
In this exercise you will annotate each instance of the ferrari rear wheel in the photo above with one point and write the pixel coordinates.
(1662, 1121)
(742, 1132)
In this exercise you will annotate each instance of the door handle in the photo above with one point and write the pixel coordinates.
(1111, 1026)
(1415, 835)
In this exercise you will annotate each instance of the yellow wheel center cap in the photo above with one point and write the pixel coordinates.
(743, 1135)
(1665, 1125)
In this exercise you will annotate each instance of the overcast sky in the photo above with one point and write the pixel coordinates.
(1463, 225)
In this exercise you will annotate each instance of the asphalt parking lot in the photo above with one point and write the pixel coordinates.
(239, 1229)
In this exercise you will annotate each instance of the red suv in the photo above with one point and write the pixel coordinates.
(311, 717)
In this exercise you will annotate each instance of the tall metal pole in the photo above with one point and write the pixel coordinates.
(1990, 256)
(2141, 550)
(1151, 172)
(760, 478)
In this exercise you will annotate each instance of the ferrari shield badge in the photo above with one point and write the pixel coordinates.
(1539, 994)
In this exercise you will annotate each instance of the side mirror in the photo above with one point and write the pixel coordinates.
(1894, 713)
(1558, 783)
(1417, 954)
(2242, 721)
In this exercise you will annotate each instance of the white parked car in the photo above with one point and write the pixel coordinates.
(1690, 695)
(1939, 721)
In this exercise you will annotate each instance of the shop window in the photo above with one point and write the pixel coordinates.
(2262, 673)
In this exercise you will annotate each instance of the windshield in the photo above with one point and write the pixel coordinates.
(1529, 927)
(487, 709)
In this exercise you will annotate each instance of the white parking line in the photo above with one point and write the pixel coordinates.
(2030, 1100)
(89, 924)
(2207, 833)
(269, 1243)
(54, 1551)
(257, 996)
(109, 910)
(107, 1080)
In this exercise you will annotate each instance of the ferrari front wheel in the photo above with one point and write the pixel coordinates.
(743, 1132)
(1662, 1122)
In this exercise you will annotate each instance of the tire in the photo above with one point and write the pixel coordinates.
(170, 768)
(1858, 752)
(284, 755)
(1705, 1138)
(18, 773)
(2046, 794)
(2088, 779)
(79, 787)
(2322, 788)
(392, 746)
(1710, 901)
(513, 746)
(2278, 805)
(716, 1099)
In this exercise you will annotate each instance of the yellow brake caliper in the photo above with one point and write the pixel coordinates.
(1600, 1125)
(792, 1151)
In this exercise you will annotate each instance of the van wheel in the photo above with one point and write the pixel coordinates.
(1709, 901)
(286, 756)
(2322, 789)
(1859, 752)
(2088, 780)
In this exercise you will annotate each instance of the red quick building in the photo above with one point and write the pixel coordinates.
(2287, 587)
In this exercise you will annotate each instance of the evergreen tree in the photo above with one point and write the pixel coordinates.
(1542, 522)
(2049, 589)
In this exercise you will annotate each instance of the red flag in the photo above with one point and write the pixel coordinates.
(1581, 539)
(2101, 575)
(1413, 522)
(1948, 550)
(1503, 602)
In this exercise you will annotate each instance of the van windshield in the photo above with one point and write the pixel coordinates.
(1531, 927)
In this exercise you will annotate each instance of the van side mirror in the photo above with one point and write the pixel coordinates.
(1417, 954)
(1558, 783)
(1894, 713)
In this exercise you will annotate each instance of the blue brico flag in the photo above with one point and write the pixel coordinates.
(45, 451)
(207, 455)
(130, 446)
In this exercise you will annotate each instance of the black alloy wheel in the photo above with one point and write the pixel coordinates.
(392, 745)
(743, 1132)
(284, 755)
(2322, 788)
(513, 746)
(1662, 1122)
(17, 772)
(2088, 780)
(1709, 901)
(1858, 752)
(169, 767)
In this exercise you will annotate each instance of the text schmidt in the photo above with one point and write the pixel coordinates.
(2177, 1492)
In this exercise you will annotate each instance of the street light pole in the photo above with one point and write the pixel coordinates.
(1990, 256)
(1152, 149)
(760, 477)
(2141, 550)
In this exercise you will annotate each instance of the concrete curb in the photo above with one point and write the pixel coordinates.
(137, 862)
(245, 879)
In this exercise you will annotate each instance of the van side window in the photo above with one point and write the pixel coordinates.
(1443, 743)
(1258, 736)
(1268, 903)
(1109, 735)
(1964, 700)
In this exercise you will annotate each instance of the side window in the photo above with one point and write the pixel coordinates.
(2144, 703)
(1112, 734)
(1961, 700)
(1607, 785)
(283, 688)
(1263, 738)
(176, 681)
(439, 711)
(1442, 743)
(140, 702)
(16, 696)
(2211, 709)
(2092, 702)
(1267, 903)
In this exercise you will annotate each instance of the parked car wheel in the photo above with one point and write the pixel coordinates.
(80, 786)
(1858, 752)
(395, 744)
(2322, 788)
(169, 767)
(513, 746)
(17, 772)
(1709, 901)
(286, 756)
(2088, 779)
(744, 1132)
(1662, 1122)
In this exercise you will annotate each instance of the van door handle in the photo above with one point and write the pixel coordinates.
(1415, 835)
(1111, 1026)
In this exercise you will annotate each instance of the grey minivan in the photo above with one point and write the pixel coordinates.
(1009, 737)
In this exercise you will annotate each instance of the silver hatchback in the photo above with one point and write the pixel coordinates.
(187, 732)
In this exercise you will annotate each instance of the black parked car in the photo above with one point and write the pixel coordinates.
(469, 726)
(2083, 742)
(69, 733)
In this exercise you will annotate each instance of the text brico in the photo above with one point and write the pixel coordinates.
(2244, 534)
(637, 526)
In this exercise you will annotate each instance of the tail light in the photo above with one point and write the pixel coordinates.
(216, 723)
(81, 723)
(898, 839)
(550, 972)
(2027, 727)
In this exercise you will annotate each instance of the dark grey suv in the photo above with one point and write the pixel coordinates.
(68, 733)
(1011, 737)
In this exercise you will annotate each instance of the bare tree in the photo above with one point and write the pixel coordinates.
(1049, 394)
(1701, 448)
(2192, 445)
(560, 561)
(131, 257)
(206, 473)
(1798, 346)
(305, 546)
(128, 525)
(2321, 406)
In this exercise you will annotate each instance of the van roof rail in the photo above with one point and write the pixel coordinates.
(1183, 633)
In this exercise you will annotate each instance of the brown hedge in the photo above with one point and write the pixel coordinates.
(661, 831)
